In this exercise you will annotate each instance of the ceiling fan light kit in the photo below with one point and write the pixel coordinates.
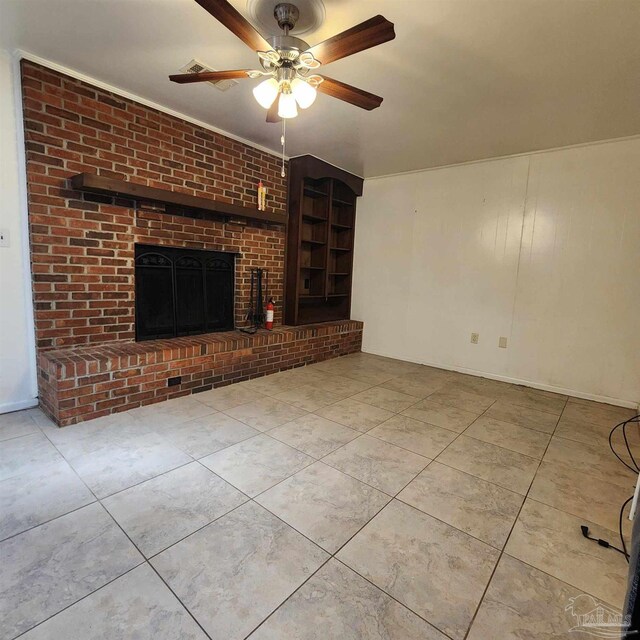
(292, 91)
(289, 62)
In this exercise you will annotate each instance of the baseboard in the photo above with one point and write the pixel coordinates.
(8, 407)
(628, 404)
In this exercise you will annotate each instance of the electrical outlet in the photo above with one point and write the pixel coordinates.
(474, 338)
(502, 342)
(4, 238)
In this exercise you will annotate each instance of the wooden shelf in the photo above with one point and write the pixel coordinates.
(322, 206)
(306, 296)
(110, 186)
(314, 193)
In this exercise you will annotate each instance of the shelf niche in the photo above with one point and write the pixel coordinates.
(322, 215)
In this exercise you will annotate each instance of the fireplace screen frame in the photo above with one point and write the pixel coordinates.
(166, 277)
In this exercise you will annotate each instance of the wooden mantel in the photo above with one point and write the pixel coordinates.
(110, 186)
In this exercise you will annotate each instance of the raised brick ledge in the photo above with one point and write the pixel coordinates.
(83, 383)
(81, 361)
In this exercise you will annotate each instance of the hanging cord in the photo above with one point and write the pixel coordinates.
(282, 142)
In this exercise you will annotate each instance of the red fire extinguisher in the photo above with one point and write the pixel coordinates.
(269, 321)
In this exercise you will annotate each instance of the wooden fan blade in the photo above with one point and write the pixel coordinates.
(209, 76)
(222, 11)
(365, 35)
(352, 95)
(272, 113)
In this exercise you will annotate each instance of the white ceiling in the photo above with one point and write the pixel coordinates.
(463, 80)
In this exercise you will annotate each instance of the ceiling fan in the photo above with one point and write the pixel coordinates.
(289, 63)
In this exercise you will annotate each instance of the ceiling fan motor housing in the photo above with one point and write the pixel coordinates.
(289, 47)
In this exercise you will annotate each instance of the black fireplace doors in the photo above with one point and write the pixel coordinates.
(182, 292)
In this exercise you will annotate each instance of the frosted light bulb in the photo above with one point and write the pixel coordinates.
(287, 106)
(266, 92)
(303, 92)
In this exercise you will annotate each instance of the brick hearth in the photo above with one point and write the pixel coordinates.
(89, 382)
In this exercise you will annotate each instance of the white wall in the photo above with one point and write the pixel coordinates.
(542, 249)
(18, 387)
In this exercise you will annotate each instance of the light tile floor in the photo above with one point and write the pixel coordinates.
(361, 498)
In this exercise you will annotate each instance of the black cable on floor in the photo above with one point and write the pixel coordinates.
(635, 468)
(624, 433)
(605, 543)
(624, 544)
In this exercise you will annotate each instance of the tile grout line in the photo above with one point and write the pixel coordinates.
(141, 482)
(175, 595)
(20, 435)
(50, 520)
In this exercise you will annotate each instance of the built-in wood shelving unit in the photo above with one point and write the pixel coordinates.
(322, 210)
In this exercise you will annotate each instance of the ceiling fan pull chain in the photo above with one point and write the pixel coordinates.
(282, 141)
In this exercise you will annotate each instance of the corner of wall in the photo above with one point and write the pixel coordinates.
(18, 384)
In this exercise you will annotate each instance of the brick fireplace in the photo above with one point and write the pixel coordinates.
(83, 250)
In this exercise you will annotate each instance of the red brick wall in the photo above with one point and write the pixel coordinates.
(82, 246)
